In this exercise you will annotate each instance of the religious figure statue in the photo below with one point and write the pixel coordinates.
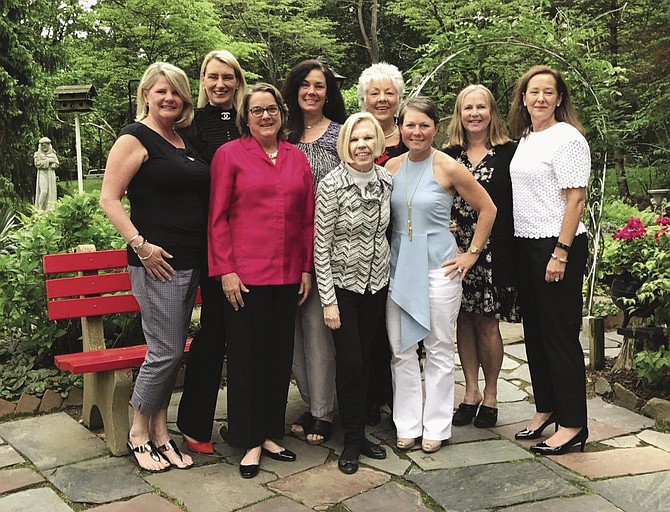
(46, 162)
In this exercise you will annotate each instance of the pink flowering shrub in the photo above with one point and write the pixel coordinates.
(643, 252)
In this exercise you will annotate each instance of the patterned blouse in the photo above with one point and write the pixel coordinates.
(322, 153)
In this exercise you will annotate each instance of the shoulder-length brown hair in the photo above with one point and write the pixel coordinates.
(519, 118)
(243, 113)
(496, 133)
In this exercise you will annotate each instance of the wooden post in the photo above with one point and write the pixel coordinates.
(595, 330)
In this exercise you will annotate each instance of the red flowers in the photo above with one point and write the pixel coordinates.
(633, 229)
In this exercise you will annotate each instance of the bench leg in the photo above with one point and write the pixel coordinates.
(106, 397)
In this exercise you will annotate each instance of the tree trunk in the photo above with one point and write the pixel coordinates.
(626, 358)
(620, 169)
(371, 41)
(619, 155)
(374, 41)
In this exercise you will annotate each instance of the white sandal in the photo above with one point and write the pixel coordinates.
(405, 443)
(429, 446)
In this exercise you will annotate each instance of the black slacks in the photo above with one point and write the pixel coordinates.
(359, 317)
(205, 363)
(552, 314)
(260, 352)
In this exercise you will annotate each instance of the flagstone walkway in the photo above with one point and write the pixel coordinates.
(51, 463)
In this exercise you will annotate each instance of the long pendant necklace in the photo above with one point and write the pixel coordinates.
(410, 200)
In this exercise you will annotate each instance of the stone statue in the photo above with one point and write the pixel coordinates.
(46, 162)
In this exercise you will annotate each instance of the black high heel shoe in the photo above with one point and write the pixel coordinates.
(544, 449)
(534, 434)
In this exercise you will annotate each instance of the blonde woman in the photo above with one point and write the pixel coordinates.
(351, 256)
(168, 186)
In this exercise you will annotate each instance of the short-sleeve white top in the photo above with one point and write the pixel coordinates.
(544, 165)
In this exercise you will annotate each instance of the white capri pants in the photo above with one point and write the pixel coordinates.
(411, 416)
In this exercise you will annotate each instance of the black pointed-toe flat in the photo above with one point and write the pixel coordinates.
(249, 471)
(282, 456)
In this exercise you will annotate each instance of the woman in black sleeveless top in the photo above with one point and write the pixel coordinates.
(167, 186)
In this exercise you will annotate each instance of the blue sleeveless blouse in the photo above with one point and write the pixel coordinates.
(430, 245)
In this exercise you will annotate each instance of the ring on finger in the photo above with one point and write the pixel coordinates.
(459, 270)
(557, 279)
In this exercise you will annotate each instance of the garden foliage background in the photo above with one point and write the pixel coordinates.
(613, 53)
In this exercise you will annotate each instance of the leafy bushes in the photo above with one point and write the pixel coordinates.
(653, 366)
(24, 326)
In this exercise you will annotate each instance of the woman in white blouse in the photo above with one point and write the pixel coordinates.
(550, 171)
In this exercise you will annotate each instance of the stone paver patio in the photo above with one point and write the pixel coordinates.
(51, 463)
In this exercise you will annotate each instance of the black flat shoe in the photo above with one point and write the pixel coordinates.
(487, 417)
(374, 451)
(282, 456)
(544, 449)
(249, 471)
(347, 465)
(464, 414)
(534, 434)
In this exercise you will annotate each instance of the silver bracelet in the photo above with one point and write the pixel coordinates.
(133, 237)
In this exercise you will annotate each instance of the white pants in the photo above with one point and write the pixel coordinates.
(411, 416)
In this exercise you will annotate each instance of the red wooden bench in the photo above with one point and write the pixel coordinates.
(107, 372)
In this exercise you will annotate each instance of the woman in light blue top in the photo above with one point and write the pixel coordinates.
(426, 273)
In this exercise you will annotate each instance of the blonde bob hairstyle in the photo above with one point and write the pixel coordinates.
(496, 132)
(345, 136)
(225, 57)
(177, 79)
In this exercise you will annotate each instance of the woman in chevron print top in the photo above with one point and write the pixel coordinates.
(351, 256)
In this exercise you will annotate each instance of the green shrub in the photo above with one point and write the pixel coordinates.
(24, 324)
(19, 374)
(653, 366)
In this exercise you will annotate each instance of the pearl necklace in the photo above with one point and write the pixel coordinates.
(309, 126)
(395, 130)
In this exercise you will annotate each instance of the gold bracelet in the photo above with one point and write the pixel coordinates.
(150, 254)
(562, 260)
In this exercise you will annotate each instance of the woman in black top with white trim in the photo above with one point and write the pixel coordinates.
(222, 87)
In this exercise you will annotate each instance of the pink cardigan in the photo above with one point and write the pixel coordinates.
(261, 216)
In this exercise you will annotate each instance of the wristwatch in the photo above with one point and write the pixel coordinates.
(474, 249)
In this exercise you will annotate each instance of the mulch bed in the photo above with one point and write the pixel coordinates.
(631, 381)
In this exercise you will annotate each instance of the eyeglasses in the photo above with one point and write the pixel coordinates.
(273, 110)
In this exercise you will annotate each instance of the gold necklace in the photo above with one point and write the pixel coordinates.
(308, 126)
(411, 199)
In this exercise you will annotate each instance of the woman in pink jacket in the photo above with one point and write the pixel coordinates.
(260, 246)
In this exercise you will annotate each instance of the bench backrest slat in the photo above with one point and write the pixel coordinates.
(91, 306)
(87, 285)
(86, 296)
(82, 261)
